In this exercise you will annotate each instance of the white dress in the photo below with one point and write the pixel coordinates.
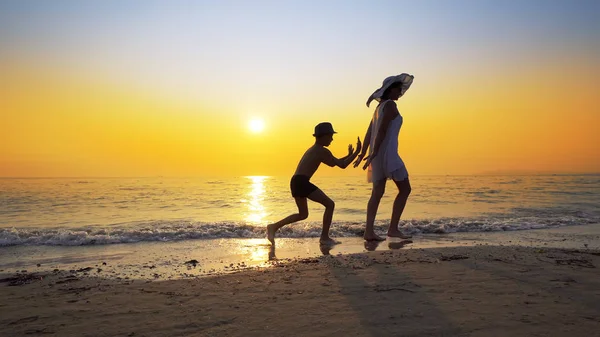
(387, 164)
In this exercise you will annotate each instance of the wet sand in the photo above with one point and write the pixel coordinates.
(167, 260)
(453, 291)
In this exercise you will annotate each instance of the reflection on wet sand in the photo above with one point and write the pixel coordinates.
(398, 245)
(372, 245)
(254, 250)
(327, 247)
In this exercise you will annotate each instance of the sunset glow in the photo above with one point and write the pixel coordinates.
(165, 89)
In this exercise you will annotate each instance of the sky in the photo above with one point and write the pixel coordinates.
(157, 88)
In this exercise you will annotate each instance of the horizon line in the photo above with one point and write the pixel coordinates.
(281, 175)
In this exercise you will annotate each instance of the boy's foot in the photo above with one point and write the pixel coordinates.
(373, 237)
(271, 234)
(398, 234)
(328, 241)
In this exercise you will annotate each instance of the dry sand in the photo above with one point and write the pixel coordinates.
(459, 291)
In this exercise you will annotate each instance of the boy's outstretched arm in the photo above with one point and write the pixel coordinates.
(350, 152)
(332, 161)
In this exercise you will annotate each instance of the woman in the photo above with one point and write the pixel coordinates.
(383, 160)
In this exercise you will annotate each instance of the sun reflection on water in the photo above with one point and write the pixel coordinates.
(256, 209)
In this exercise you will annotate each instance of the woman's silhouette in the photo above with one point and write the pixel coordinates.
(383, 160)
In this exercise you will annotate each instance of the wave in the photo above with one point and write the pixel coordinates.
(520, 219)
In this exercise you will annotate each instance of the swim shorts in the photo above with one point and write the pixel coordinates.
(301, 186)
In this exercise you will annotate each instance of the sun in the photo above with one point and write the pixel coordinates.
(256, 125)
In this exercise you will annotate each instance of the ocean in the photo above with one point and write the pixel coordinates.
(103, 211)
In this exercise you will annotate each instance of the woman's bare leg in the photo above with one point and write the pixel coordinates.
(376, 195)
(404, 190)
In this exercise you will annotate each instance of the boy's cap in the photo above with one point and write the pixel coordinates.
(324, 128)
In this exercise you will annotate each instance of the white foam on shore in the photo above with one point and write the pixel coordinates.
(166, 231)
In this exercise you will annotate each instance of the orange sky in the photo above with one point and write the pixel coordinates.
(62, 126)
(468, 112)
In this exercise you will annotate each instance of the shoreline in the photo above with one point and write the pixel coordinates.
(167, 260)
(476, 290)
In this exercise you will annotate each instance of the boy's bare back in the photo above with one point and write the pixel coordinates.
(312, 158)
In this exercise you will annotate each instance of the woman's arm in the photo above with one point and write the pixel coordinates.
(390, 111)
(367, 141)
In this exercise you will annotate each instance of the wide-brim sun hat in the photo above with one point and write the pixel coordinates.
(404, 78)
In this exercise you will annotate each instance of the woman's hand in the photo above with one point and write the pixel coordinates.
(358, 145)
(358, 160)
(368, 160)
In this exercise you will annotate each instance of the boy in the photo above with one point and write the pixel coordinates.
(303, 189)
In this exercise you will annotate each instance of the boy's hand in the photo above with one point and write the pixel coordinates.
(350, 149)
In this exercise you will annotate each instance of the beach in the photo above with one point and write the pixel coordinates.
(490, 256)
(497, 287)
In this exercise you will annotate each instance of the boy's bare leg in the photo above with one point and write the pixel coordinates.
(376, 194)
(399, 204)
(272, 253)
(302, 214)
(323, 199)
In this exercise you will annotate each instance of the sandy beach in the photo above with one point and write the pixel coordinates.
(492, 290)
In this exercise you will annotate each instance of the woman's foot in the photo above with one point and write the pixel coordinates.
(397, 234)
(327, 241)
(373, 237)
